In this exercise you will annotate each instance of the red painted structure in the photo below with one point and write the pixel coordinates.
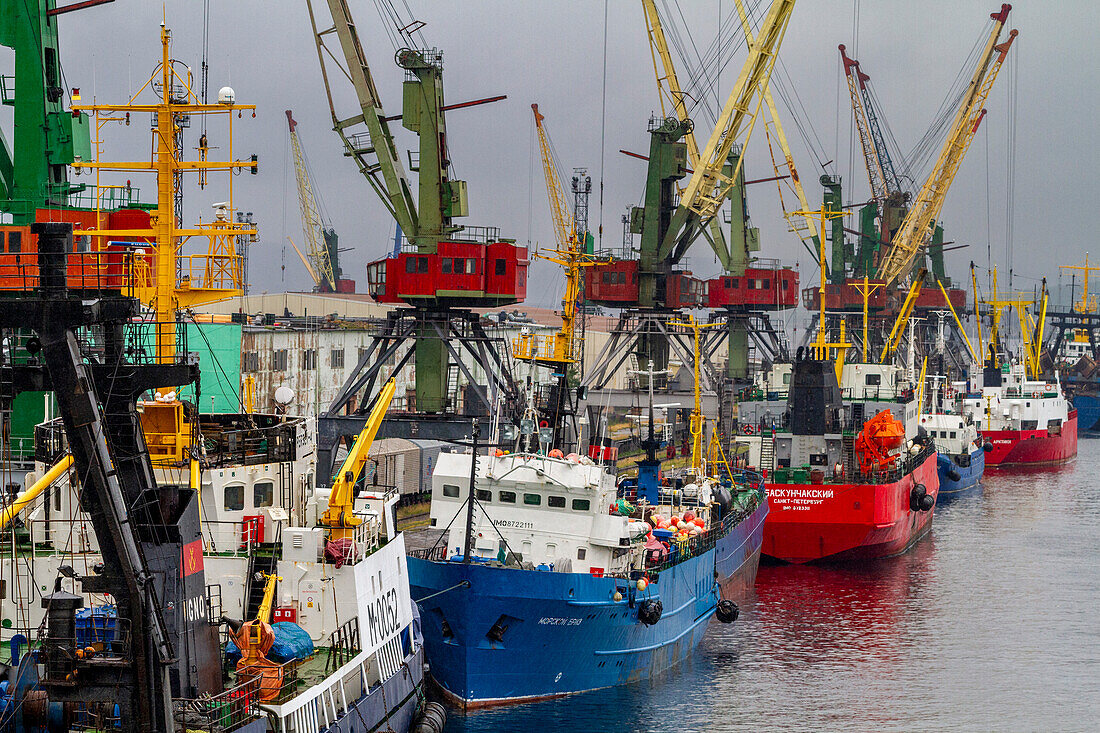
(847, 297)
(759, 289)
(845, 521)
(467, 274)
(615, 285)
(1046, 446)
(93, 265)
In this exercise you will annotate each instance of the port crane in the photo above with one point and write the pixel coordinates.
(561, 352)
(913, 233)
(896, 227)
(648, 285)
(322, 255)
(441, 269)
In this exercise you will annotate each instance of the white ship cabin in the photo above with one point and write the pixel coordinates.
(954, 435)
(775, 382)
(549, 513)
(1019, 403)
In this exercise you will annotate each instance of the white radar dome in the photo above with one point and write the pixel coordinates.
(284, 395)
(226, 95)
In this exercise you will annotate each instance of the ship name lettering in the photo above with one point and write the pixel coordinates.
(558, 621)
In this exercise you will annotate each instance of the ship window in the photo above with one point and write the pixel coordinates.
(728, 282)
(450, 490)
(445, 267)
(555, 502)
(15, 241)
(581, 552)
(508, 497)
(785, 284)
(458, 268)
(501, 267)
(410, 264)
(767, 283)
(873, 380)
(532, 499)
(581, 505)
(234, 497)
(483, 494)
(605, 277)
(1027, 404)
(787, 378)
(952, 434)
(736, 282)
(263, 494)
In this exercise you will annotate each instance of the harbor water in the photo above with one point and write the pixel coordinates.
(988, 623)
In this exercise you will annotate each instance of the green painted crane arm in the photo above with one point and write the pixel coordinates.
(7, 169)
(374, 152)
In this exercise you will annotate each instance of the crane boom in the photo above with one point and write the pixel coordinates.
(710, 185)
(559, 207)
(876, 176)
(668, 85)
(321, 269)
(374, 152)
(339, 515)
(808, 223)
(915, 228)
(564, 347)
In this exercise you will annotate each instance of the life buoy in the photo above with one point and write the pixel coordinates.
(748, 429)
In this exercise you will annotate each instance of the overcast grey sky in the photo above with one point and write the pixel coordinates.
(552, 53)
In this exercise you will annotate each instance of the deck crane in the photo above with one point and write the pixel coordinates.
(441, 269)
(914, 229)
(321, 257)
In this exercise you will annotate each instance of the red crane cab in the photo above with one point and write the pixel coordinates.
(465, 274)
(761, 288)
(615, 285)
(848, 297)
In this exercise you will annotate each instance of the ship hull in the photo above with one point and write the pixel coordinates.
(1032, 447)
(737, 555)
(969, 476)
(837, 522)
(561, 633)
(1088, 414)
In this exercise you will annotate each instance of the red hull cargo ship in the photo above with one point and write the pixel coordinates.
(848, 475)
(1025, 422)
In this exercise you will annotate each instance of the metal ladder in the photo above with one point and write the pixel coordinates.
(767, 452)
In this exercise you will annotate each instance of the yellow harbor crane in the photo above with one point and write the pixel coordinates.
(318, 257)
(668, 87)
(1031, 325)
(564, 347)
(711, 181)
(915, 228)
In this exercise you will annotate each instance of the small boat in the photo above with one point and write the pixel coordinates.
(960, 451)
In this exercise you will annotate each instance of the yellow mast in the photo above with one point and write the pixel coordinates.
(202, 278)
(866, 290)
(697, 419)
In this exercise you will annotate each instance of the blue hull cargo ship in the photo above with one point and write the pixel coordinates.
(556, 585)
